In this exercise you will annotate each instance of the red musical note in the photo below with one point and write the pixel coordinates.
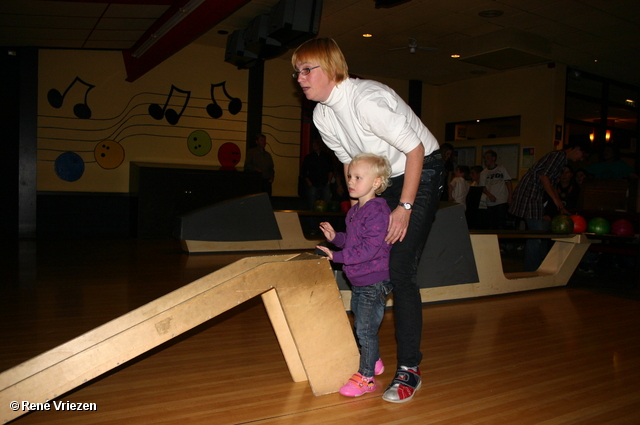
(81, 110)
(214, 110)
(171, 115)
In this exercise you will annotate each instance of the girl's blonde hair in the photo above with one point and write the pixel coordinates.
(326, 53)
(380, 167)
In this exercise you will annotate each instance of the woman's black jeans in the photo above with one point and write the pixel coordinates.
(405, 255)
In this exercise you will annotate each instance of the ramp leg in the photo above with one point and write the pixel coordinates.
(283, 333)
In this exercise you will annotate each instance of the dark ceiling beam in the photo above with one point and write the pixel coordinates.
(146, 2)
(199, 21)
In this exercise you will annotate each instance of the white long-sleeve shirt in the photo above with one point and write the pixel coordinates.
(365, 116)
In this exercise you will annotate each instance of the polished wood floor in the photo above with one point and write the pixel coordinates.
(559, 356)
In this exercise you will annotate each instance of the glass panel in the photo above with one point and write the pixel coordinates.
(582, 110)
(578, 84)
(622, 118)
(623, 96)
(490, 128)
(577, 131)
(621, 139)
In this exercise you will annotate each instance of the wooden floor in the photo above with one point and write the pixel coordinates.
(558, 356)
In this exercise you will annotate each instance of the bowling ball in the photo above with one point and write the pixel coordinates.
(345, 206)
(320, 206)
(334, 206)
(599, 226)
(622, 227)
(562, 224)
(579, 223)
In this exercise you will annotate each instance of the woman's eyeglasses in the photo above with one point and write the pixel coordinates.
(304, 71)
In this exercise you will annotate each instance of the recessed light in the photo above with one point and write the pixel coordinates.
(492, 13)
(455, 56)
(367, 35)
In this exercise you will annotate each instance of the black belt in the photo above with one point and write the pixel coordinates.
(432, 157)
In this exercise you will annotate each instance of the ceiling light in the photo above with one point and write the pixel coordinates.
(367, 35)
(455, 55)
(182, 13)
(494, 13)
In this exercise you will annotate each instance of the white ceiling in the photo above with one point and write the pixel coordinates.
(597, 36)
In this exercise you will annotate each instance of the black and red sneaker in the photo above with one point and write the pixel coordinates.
(404, 385)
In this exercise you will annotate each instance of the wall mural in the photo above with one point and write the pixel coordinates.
(108, 150)
(81, 110)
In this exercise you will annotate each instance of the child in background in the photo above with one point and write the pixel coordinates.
(365, 256)
(459, 186)
(476, 200)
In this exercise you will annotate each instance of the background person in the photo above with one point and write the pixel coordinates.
(459, 186)
(528, 197)
(259, 160)
(317, 172)
(497, 187)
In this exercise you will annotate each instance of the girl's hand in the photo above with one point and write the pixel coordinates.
(326, 251)
(328, 231)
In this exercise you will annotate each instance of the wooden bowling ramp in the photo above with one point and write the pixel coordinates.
(290, 229)
(299, 293)
(439, 279)
(556, 269)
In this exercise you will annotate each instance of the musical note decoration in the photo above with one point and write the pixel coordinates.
(158, 112)
(214, 110)
(81, 110)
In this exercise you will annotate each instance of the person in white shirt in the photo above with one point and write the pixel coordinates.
(459, 186)
(362, 116)
(498, 188)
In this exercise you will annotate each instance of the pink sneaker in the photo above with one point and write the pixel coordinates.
(358, 385)
(379, 369)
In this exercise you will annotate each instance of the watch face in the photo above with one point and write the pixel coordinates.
(406, 205)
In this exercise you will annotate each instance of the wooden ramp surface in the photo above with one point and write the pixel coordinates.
(301, 299)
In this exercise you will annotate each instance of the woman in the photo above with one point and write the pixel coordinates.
(362, 116)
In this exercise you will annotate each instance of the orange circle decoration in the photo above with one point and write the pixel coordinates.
(109, 154)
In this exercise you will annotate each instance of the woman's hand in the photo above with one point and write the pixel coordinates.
(398, 225)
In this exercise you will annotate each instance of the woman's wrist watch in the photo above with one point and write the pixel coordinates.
(405, 205)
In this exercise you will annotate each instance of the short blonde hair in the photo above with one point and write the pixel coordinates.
(326, 52)
(380, 167)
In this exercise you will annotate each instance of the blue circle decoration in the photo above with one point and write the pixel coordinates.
(69, 166)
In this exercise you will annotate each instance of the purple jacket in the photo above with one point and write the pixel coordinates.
(365, 254)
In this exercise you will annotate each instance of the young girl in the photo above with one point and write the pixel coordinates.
(365, 256)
